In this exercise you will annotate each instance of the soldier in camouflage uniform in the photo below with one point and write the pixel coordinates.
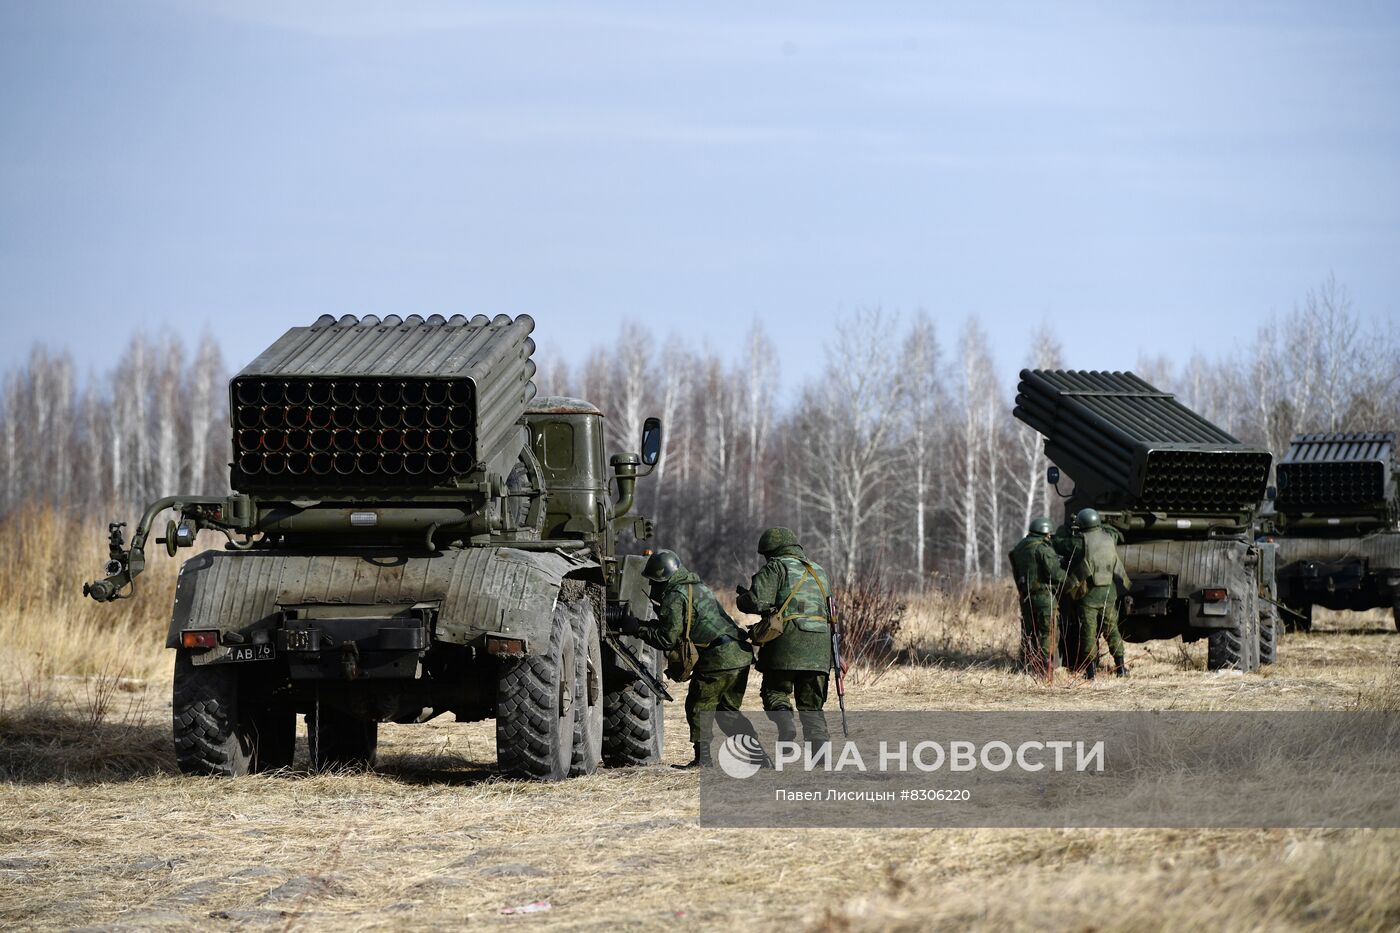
(1068, 546)
(1096, 575)
(721, 675)
(1110, 629)
(1035, 566)
(796, 664)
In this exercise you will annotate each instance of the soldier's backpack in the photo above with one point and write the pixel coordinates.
(772, 623)
(681, 660)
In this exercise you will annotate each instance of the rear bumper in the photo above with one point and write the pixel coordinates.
(354, 649)
(351, 648)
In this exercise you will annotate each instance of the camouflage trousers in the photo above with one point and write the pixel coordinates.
(1098, 615)
(716, 697)
(1037, 616)
(808, 689)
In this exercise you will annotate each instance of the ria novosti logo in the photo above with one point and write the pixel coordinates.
(742, 756)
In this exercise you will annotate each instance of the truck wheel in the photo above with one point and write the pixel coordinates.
(339, 741)
(1256, 636)
(1225, 651)
(1268, 638)
(634, 723)
(535, 708)
(588, 692)
(1235, 648)
(211, 738)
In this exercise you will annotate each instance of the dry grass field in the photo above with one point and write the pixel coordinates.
(96, 829)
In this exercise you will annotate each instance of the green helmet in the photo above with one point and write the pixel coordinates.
(1087, 518)
(775, 539)
(1041, 526)
(662, 566)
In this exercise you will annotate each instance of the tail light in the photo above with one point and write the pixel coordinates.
(1214, 595)
(200, 639)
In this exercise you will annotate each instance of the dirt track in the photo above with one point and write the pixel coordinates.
(434, 840)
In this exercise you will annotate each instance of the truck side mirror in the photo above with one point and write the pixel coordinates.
(1271, 493)
(651, 441)
(1052, 475)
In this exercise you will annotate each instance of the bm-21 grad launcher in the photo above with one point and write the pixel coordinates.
(1183, 496)
(412, 533)
(1337, 525)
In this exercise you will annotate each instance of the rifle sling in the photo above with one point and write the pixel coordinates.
(685, 636)
(807, 572)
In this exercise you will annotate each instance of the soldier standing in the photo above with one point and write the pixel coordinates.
(1035, 566)
(796, 664)
(1095, 576)
(689, 612)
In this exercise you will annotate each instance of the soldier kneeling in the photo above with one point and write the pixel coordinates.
(689, 615)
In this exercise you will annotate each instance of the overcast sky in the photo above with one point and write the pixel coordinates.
(1150, 178)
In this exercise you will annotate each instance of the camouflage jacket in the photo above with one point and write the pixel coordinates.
(805, 644)
(723, 645)
(1098, 564)
(1069, 543)
(1035, 566)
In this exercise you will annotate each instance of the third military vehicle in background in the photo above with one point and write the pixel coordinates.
(1337, 523)
(1184, 496)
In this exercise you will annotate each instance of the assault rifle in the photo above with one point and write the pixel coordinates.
(840, 663)
(634, 663)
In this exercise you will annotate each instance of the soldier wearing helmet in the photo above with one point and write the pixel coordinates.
(688, 613)
(1096, 577)
(796, 664)
(1039, 577)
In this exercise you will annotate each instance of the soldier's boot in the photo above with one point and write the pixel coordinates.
(786, 721)
(702, 758)
(1090, 670)
(1120, 668)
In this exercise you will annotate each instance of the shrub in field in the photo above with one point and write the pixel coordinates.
(78, 730)
(871, 614)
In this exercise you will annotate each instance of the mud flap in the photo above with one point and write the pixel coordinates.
(477, 591)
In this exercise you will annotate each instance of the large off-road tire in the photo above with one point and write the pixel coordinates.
(634, 721)
(535, 709)
(213, 735)
(1269, 626)
(340, 742)
(588, 689)
(1226, 650)
(1235, 648)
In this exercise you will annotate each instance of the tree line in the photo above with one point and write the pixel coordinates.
(899, 454)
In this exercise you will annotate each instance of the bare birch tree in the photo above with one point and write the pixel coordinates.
(922, 403)
(1028, 445)
(207, 410)
(973, 402)
(760, 388)
(845, 428)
